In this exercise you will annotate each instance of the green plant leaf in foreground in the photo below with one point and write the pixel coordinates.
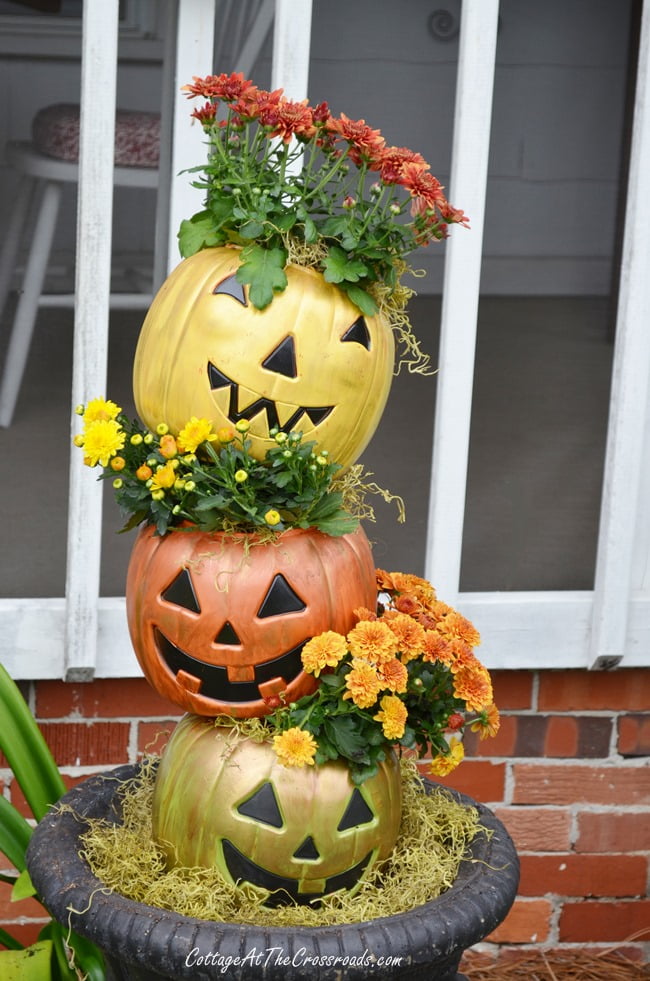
(27, 752)
(30, 964)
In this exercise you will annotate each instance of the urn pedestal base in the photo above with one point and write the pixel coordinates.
(144, 943)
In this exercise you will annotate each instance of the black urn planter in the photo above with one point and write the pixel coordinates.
(144, 943)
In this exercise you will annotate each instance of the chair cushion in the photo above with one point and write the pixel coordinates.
(55, 132)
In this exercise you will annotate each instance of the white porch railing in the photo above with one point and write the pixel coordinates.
(85, 635)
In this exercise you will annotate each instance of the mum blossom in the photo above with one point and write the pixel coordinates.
(193, 433)
(394, 675)
(102, 440)
(408, 633)
(488, 723)
(100, 409)
(363, 684)
(364, 143)
(373, 641)
(295, 747)
(163, 477)
(473, 686)
(325, 650)
(392, 716)
(446, 762)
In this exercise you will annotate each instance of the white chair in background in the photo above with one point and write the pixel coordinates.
(46, 165)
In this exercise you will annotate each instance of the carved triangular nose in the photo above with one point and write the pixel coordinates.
(307, 849)
(283, 359)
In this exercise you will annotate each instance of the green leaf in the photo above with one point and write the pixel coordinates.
(26, 750)
(343, 733)
(361, 299)
(198, 233)
(9, 942)
(251, 229)
(31, 964)
(338, 268)
(15, 833)
(23, 887)
(263, 270)
(337, 525)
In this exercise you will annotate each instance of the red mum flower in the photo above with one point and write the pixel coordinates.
(288, 119)
(225, 87)
(395, 158)
(366, 144)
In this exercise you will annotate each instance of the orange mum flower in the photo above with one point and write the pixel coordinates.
(446, 762)
(323, 651)
(373, 641)
(436, 648)
(295, 747)
(488, 723)
(408, 604)
(384, 579)
(455, 624)
(363, 684)
(473, 686)
(409, 634)
(363, 613)
(394, 675)
(392, 716)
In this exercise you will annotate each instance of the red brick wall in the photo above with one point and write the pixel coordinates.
(568, 775)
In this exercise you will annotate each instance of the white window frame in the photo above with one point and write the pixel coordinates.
(85, 635)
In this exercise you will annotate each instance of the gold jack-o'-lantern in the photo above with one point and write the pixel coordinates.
(310, 362)
(218, 621)
(223, 800)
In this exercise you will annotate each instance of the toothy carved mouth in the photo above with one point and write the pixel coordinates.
(218, 381)
(243, 870)
(214, 678)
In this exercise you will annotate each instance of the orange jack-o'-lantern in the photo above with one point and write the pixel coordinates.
(222, 800)
(218, 622)
(310, 362)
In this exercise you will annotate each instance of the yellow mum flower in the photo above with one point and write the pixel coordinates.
(392, 716)
(446, 762)
(272, 517)
(326, 650)
(363, 684)
(164, 477)
(295, 747)
(195, 432)
(372, 641)
(102, 440)
(100, 410)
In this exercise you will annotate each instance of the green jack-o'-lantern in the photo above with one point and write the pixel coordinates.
(223, 800)
(310, 362)
(218, 621)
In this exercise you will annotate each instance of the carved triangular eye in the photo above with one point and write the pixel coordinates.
(282, 360)
(180, 592)
(227, 635)
(359, 333)
(357, 812)
(263, 807)
(280, 599)
(217, 379)
(232, 287)
(307, 850)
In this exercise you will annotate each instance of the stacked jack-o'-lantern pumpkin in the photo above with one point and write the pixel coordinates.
(218, 621)
(271, 323)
